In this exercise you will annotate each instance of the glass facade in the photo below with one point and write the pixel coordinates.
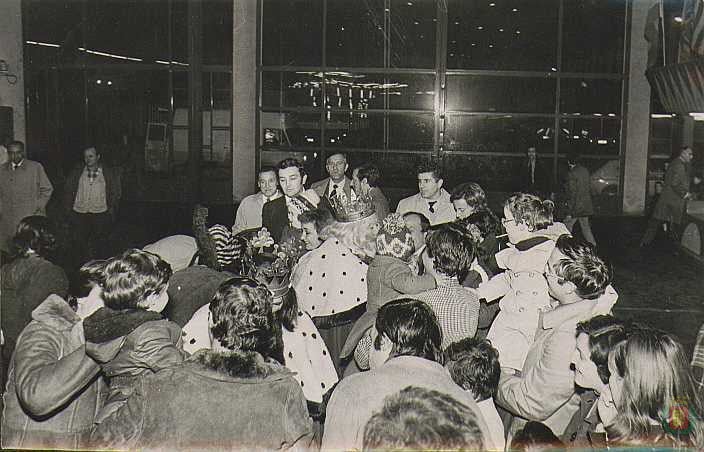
(142, 81)
(472, 84)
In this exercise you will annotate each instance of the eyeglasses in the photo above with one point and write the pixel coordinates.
(505, 221)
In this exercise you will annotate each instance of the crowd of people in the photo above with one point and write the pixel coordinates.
(323, 320)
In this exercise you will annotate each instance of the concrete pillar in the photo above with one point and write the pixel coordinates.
(637, 125)
(244, 98)
(11, 50)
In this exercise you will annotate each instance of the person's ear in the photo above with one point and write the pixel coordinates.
(364, 181)
(304, 179)
(440, 182)
(569, 287)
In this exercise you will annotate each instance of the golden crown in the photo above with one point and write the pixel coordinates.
(347, 211)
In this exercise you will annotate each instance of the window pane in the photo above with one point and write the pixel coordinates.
(291, 89)
(54, 31)
(355, 33)
(500, 94)
(217, 32)
(412, 33)
(497, 174)
(518, 35)
(380, 131)
(311, 161)
(292, 32)
(499, 134)
(279, 129)
(665, 136)
(590, 136)
(375, 91)
(129, 31)
(593, 36)
(588, 96)
(179, 31)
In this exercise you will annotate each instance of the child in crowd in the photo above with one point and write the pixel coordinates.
(528, 221)
(134, 288)
(473, 365)
(389, 275)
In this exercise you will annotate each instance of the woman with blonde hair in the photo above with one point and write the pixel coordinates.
(654, 393)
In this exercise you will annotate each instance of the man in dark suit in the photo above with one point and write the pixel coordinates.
(338, 183)
(282, 213)
(536, 176)
(675, 193)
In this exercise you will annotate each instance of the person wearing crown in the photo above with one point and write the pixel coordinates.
(282, 213)
(432, 200)
(330, 281)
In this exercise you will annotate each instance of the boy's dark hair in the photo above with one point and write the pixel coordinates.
(474, 365)
(588, 272)
(131, 277)
(370, 172)
(430, 166)
(422, 419)
(412, 327)
(320, 217)
(451, 250)
(37, 233)
(291, 163)
(81, 282)
(424, 221)
(241, 316)
(536, 436)
(472, 193)
(531, 210)
(604, 331)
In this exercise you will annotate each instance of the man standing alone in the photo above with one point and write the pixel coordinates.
(92, 195)
(675, 193)
(24, 190)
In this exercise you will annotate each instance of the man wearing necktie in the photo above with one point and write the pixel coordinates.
(249, 212)
(337, 184)
(536, 176)
(24, 190)
(431, 200)
(282, 213)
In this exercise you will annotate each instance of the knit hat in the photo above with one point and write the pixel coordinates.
(395, 239)
(224, 244)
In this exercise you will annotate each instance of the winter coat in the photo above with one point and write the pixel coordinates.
(200, 404)
(53, 389)
(579, 197)
(113, 188)
(670, 206)
(191, 288)
(26, 283)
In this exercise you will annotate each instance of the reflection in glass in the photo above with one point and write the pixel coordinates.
(593, 36)
(590, 136)
(499, 134)
(500, 173)
(293, 32)
(500, 94)
(287, 129)
(590, 96)
(380, 131)
(374, 91)
(512, 35)
(291, 89)
(52, 32)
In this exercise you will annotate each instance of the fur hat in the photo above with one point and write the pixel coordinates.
(224, 244)
(395, 239)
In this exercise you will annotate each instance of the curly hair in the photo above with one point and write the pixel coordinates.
(472, 193)
(422, 419)
(412, 328)
(319, 217)
(356, 236)
(291, 163)
(241, 316)
(430, 166)
(131, 277)
(604, 331)
(473, 364)
(370, 172)
(588, 272)
(451, 249)
(35, 233)
(535, 212)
